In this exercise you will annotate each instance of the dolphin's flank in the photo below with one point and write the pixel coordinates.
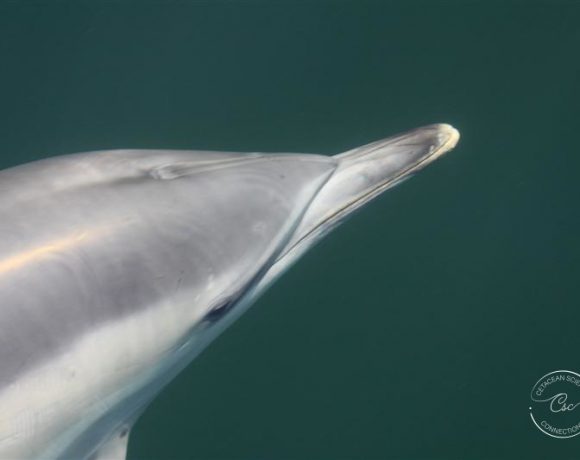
(118, 267)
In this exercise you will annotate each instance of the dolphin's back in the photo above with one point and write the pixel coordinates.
(101, 251)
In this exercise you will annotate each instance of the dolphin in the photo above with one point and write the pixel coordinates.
(118, 267)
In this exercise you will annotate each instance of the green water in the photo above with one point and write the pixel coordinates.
(417, 329)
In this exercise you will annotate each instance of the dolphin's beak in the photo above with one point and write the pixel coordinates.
(365, 172)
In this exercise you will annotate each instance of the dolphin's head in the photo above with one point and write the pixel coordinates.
(362, 174)
(358, 176)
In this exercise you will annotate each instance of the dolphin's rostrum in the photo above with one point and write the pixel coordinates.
(118, 267)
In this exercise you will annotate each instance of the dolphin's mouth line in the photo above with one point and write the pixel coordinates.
(354, 204)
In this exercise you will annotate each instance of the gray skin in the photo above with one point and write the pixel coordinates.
(117, 268)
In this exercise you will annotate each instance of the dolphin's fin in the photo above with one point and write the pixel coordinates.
(115, 448)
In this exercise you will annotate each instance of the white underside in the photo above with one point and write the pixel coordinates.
(64, 397)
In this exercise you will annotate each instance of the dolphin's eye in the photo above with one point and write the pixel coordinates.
(220, 310)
